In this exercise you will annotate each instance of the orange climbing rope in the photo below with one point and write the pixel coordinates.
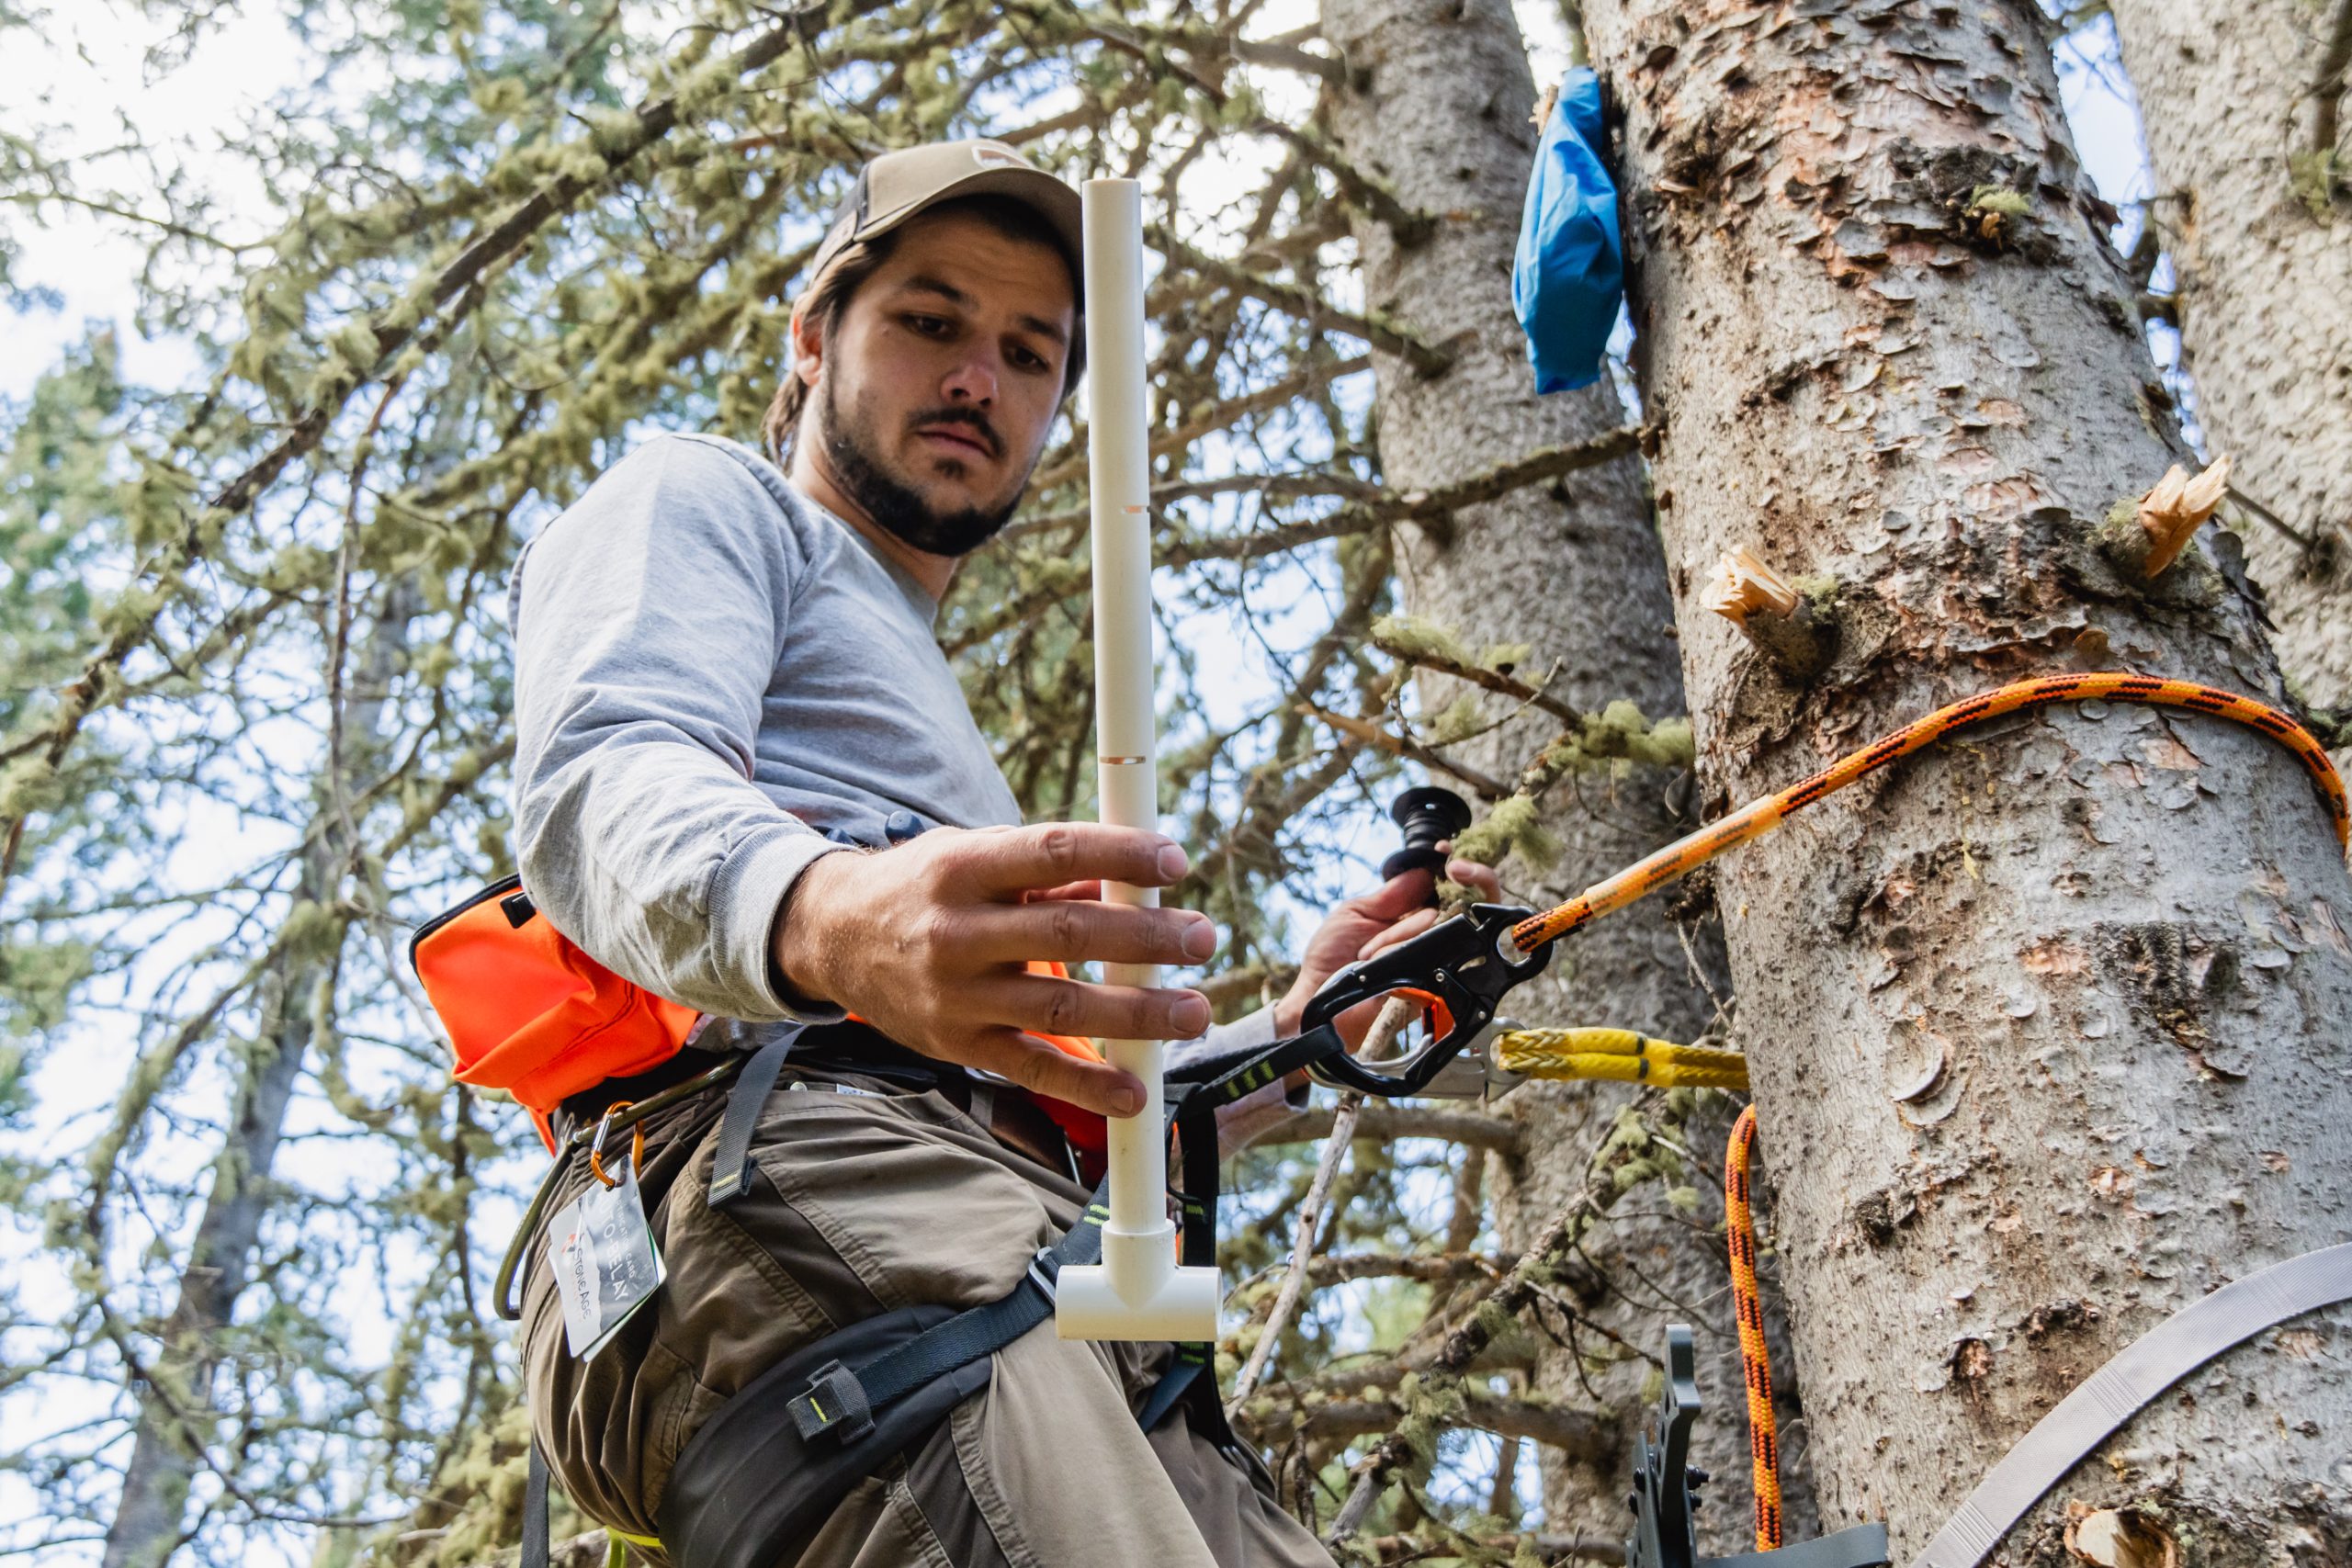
(1687, 854)
(1755, 1360)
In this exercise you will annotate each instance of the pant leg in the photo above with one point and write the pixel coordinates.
(995, 1488)
(860, 1203)
(1046, 1467)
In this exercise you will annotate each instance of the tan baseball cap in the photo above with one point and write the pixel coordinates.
(895, 186)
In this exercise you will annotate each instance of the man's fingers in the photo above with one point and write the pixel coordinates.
(1397, 898)
(1043, 1068)
(1411, 925)
(1470, 873)
(1077, 931)
(1042, 1005)
(1054, 854)
(1091, 889)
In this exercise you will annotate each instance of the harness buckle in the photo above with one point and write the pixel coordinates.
(833, 1405)
(1045, 1271)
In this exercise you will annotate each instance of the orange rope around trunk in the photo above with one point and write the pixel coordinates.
(1687, 854)
(1755, 1359)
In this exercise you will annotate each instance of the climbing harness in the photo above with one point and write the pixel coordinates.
(840, 1406)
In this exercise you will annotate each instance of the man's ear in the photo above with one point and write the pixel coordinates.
(807, 346)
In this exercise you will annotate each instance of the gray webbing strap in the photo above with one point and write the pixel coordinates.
(535, 1510)
(730, 1165)
(2148, 1366)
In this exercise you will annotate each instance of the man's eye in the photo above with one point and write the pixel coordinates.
(1028, 361)
(928, 325)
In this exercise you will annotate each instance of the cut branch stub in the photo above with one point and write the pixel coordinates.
(1792, 633)
(2147, 537)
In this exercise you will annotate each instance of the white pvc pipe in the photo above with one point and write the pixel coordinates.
(1137, 1292)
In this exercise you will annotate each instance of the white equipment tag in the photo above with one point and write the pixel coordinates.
(605, 1261)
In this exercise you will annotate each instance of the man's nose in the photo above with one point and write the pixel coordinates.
(973, 381)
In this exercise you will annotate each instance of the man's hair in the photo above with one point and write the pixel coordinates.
(1013, 219)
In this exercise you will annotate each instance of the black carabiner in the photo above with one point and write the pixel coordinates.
(1464, 967)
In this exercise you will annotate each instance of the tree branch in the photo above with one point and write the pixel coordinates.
(1388, 1121)
(1477, 1329)
(1371, 733)
(1303, 303)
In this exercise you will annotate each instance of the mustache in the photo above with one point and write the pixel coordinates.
(971, 418)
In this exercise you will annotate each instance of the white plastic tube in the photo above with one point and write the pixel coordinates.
(1137, 1292)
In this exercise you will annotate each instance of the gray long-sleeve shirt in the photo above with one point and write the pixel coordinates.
(710, 669)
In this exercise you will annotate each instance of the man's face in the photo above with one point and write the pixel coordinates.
(936, 390)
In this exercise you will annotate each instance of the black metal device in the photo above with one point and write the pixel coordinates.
(1458, 966)
(1429, 816)
(1665, 1525)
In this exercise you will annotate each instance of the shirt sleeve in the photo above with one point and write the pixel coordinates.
(648, 620)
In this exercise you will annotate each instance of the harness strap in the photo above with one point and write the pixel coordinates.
(1188, 1366)
(731, 1171)
(747, 1489)
(838, 1401)
(535, 1510)
(2113, 1394)
(1192, 1114)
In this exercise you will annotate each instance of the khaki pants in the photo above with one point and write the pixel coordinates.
(862, 1203)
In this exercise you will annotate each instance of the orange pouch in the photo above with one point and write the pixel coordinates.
(528, 1011)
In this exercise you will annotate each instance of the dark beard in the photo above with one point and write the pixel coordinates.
(895, 508)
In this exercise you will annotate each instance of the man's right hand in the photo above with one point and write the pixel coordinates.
(927, 941)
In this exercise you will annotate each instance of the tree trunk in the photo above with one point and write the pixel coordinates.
(1438, 104)
(175, 1402)
(2262, 256)
(2045, 1025)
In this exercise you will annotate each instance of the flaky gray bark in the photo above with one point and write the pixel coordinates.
(1438, 103)
(2235, 108)
(2047, 1024)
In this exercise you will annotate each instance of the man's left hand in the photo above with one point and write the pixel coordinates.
(1401, 908)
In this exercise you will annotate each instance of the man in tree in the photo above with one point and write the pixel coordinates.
(727, 689)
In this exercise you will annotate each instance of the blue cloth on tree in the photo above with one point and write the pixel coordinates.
(1569, 274)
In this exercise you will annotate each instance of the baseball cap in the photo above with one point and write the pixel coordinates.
(895, 186)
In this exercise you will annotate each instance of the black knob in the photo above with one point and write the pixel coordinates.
(900, 826)
(1698, 1477)
(1427, 815)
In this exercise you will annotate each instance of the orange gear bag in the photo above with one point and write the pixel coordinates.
(529, 1012)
